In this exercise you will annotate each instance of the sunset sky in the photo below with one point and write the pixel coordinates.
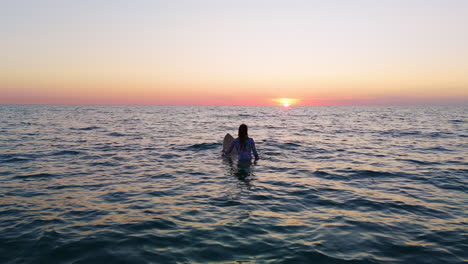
(243, 52)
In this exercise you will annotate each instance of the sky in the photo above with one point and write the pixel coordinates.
(243, 52)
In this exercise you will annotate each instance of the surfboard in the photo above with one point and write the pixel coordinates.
(227, 141)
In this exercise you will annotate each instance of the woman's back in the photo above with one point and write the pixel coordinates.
(243, 145)
(244, 151)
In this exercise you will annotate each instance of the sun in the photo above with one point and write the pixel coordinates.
(285, 102)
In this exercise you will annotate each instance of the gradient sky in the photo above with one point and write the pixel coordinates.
(243, 52)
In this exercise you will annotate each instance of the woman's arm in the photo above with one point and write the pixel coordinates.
(254, 149)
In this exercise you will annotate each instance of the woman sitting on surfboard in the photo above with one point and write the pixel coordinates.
(243, 145)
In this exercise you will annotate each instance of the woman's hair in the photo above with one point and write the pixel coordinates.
(243, 134)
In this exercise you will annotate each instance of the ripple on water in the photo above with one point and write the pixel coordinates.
(163, 176)
(35, 176)
(105, 184)
(85, 128)
(66, 152)
(116, 134)
(16, 160)
(203, 146)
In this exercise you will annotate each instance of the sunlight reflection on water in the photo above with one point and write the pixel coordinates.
(334, 184)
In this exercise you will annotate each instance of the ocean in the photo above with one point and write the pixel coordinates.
(148, 184)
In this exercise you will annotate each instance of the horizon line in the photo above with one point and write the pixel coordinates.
(238, 105)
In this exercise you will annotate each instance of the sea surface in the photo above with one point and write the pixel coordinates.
(148, 184)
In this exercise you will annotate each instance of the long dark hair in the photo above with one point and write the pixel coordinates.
(243, 135)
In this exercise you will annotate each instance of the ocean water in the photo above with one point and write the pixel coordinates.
(147, 184)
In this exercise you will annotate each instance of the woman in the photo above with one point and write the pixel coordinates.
(244, 145)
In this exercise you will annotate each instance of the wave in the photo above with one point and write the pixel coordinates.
(169, 156)
(456, 121)
(419, 162)
(77, 186)
(444, 134)
(436, 149)
(317, 150)
(370, 173)
(141, 189)
(272, 153)
(104, 163)
(285, 145)
(204, 146)
(116, 134)
(14, 160)
(85, 128)
(66, 152)
(396, 207)
(316, 256)
(36, 175)
(163, 176)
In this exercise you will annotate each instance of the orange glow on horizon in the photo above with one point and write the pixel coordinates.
(286, 102)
